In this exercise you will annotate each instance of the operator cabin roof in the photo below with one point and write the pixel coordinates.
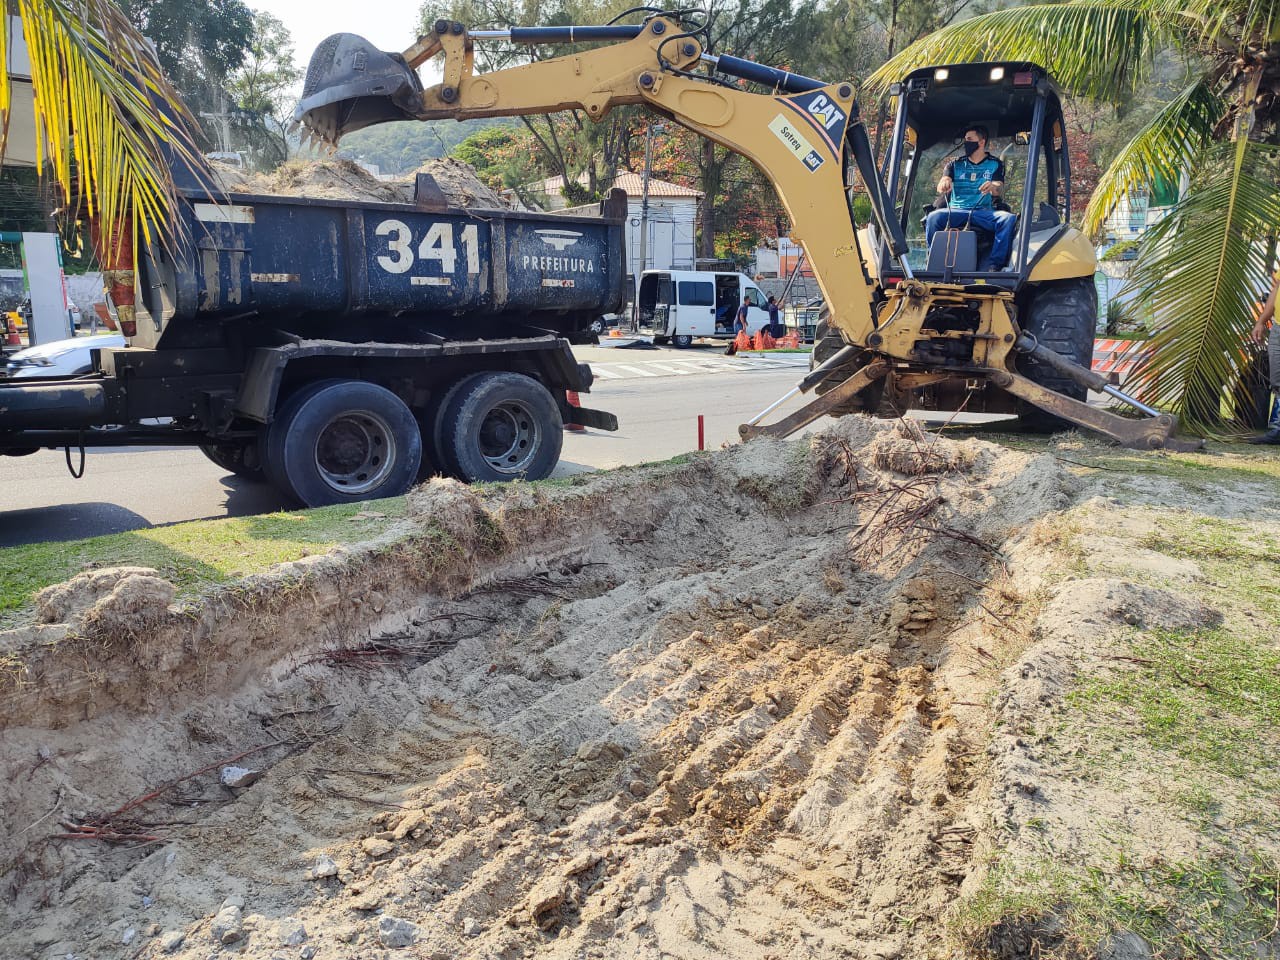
(632, 183)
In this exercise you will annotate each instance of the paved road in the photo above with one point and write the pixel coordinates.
(127, 489)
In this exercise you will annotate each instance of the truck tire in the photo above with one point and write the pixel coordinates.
(682, 341)
(242, 458)
(436, 449)
(1062, 315)
(499, 426)
(341, 441)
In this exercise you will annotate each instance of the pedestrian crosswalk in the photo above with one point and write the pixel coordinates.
(667, 367)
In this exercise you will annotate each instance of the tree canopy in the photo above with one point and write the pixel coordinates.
(198, 43)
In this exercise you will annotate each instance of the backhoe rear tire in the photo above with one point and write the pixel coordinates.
(1063, 316)
(826, 343)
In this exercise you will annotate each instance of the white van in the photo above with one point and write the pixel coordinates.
(678, 305)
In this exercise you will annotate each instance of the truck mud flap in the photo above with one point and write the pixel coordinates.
(590, 418)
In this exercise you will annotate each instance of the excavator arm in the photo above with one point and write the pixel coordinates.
(796, 135)
(802, 134)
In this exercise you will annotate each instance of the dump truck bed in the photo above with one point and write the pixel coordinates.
(300, 257)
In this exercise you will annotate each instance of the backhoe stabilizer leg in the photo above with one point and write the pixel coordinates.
(1152, 433)
(819, 406)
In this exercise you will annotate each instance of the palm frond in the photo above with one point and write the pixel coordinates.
(108, 122)
(1095, 48)
(1162, 149)
(1202, 271)
(1225, 22)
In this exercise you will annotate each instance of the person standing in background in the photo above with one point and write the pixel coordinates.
(1267, 318)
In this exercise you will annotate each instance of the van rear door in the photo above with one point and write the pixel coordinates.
(655, 302)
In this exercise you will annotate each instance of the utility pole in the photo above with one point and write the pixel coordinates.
(649, 131)
(222, 117)
(644, 197)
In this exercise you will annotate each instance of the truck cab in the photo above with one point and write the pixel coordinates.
(678, 305)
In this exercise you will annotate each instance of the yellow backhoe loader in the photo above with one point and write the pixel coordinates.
(906, 328)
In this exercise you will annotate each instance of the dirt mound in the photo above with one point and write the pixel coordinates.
(91, 595)
(338, 179)
(707, 709)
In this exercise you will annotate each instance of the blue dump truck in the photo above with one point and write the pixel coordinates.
(343, 350)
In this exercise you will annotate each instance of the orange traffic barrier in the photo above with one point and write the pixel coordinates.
(1117, 357)
(574, 401)
(742, 341)
(615, 333)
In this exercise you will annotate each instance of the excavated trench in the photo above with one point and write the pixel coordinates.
(702, 709)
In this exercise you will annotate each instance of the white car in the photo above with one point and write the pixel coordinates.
(60, 358)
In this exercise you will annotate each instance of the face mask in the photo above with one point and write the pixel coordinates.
(970, 146)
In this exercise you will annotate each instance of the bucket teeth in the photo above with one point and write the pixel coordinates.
(351, 85)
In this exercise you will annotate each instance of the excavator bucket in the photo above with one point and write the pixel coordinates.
(351, 85)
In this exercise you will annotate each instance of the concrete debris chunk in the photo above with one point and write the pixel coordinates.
(396, 933)
(228, 925)
(238, 777)
(171, 940)
(324, 867)
(292, 933)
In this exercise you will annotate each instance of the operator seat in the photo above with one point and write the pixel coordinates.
(959, 249)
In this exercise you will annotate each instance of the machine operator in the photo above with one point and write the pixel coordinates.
(973, 181)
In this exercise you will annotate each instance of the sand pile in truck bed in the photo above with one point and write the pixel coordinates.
(724, 707)
(337, 179)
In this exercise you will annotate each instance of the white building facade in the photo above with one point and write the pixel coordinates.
(672, 220)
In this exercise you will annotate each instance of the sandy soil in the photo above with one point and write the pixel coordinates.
(338, 179)
(738, 706)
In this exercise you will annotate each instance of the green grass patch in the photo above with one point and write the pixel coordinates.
(193, 555)
(1223, 461)
(1201, 537)
(1211, 698)
(1217, 907)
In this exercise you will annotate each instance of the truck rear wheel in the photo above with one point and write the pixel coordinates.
(499, 426)
(341, 441)
(1063, 316)
(682, 340)
(242, 458)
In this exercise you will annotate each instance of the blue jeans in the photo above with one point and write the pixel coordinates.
(999, 222)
